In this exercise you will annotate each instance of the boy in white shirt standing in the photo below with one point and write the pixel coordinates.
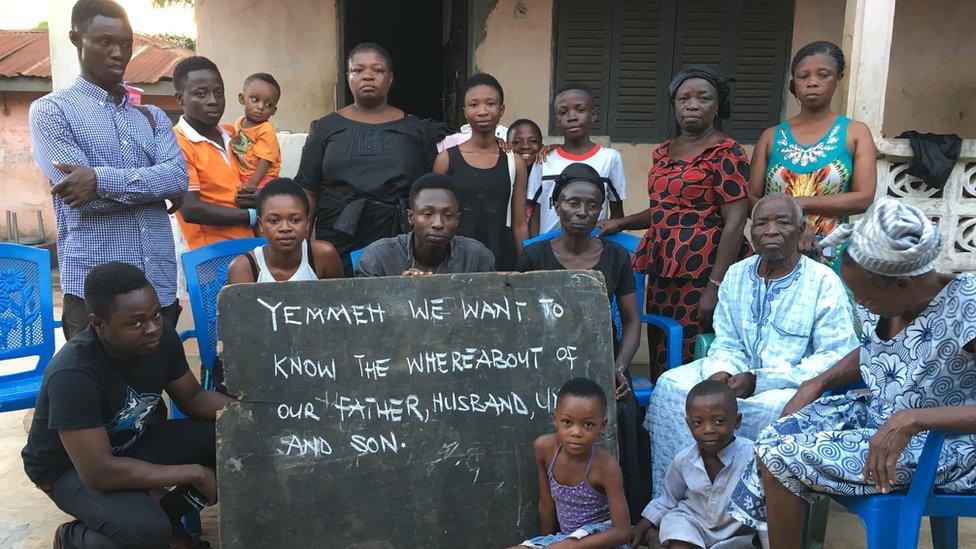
(575, 116)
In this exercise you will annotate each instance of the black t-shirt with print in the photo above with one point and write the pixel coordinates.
(84, 388)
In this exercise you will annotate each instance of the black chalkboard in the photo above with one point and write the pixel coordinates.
(396, 412)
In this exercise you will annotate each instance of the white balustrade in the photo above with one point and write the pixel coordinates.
(953, 207)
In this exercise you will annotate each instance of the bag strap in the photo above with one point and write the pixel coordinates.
(538, 195)
(254, 265)
(145, 112)
(612, 189)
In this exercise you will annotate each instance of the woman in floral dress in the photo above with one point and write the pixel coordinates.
(824, 160)
(918, 359)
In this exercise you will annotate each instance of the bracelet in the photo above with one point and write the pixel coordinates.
(252, 215)
(717, 283)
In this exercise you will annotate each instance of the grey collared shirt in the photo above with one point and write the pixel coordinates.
(392, 256)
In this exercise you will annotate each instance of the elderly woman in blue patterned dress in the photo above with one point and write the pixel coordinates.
(918, 359)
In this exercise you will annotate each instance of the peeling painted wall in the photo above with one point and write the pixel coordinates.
(26, 190)
(518, 52)
(931, 76)
(295, 41)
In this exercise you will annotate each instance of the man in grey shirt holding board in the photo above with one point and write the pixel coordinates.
(431, 247)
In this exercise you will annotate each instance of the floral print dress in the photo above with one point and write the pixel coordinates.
(821, 449)
(820, 169)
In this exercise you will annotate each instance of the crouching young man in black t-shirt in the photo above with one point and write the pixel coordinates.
(94, 447)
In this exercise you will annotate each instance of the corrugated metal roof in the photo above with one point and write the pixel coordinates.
(27, 53)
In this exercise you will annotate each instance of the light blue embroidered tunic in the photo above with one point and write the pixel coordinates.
(785, 332)
(822, 447)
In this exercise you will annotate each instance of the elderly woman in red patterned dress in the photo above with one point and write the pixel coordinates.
(698, 191)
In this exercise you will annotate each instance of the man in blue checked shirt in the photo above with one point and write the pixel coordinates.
(111, 165)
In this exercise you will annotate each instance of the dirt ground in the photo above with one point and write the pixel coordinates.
(28, 518)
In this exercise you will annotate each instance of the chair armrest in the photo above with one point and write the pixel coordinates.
(673, 334)
(57, 323)
(188, 334)
(924, 480)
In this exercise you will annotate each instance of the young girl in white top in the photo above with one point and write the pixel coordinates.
(283, 213)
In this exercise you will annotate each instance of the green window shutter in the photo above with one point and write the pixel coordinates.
(638, 64)
(705, 34)
(702, 33)
(760, 68)
(582, 50)
(747, 39)
(629, 50)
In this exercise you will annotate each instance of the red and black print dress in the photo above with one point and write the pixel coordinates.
(678, 251)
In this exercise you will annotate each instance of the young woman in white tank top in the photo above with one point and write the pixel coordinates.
(283, 210)
(306, 270)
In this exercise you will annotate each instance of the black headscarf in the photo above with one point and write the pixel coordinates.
(718, 80)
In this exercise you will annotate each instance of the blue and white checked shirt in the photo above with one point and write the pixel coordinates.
(136, 169)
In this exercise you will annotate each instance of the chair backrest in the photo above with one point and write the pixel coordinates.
(206, 274)
(26, 320)
(354, 259)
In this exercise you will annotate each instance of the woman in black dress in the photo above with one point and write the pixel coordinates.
(358, 163)
(490, 181)
(578, 197)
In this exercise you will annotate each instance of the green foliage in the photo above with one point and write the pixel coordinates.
(178, 40)
(42, 25)
(164, 3)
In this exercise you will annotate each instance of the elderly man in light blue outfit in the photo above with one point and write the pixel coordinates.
(782, 318)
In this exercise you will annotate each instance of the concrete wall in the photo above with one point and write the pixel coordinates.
(518, 52)
(931, 80)
(295, 41)
(929, 87)
(27, 190)
(815, 20)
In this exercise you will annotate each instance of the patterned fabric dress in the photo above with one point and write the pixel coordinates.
(820, 169)
(678, 251)
(822, 447)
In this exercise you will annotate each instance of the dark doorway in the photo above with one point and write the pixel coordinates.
(428, 57)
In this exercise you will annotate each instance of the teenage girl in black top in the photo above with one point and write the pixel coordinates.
(492, 201)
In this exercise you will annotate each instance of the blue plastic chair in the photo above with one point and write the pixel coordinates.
(641, 386)
(206, 274)
(354, 259)
(893, 520)
(26, 321)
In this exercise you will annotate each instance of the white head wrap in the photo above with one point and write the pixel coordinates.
(892, 239)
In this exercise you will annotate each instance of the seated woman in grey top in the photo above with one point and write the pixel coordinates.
(431, 247)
